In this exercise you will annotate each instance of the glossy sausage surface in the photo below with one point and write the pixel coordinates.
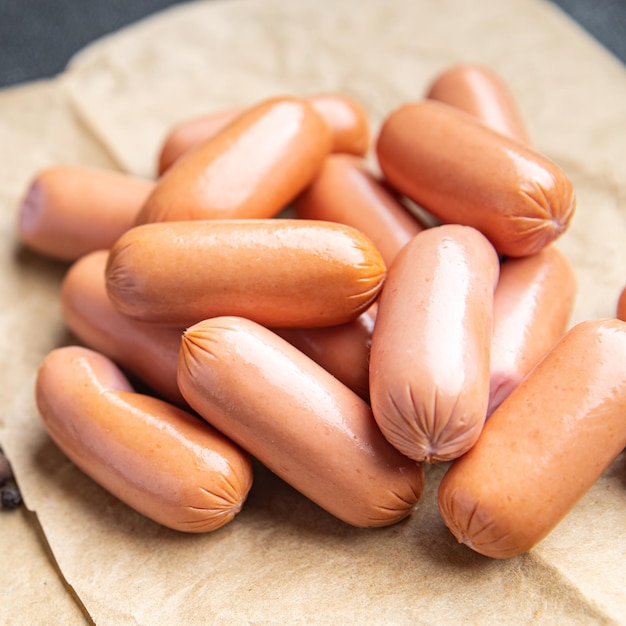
(346, 191)
(481, 92)
(462, 172)
(278, 272)
(69, 211)
(345, 117)
(544, 447)
(533, 304)
(298, 420)
(342, 350)
(429, 361)
(160, 460)
(147, 351)
(254, 167)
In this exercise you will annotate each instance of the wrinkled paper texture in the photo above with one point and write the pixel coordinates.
(284, 560)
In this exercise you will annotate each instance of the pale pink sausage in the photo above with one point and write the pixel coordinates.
(69, 210)
(544, 447)
(481, 92)
(345, 117)
(162, 461)
(533, 304)
(342, 350)
(462, 172)
(429, 360)
(298, 420)
(346, 191)
(278, 272)
(147, 351)
(252, 168)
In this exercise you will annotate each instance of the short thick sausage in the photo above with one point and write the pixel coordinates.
(346, 191)
(278, 272)
(346, 119)
(342, 350)
(298, 420)
(479, 91)
(69, 211)
(462, 172)
(533, 304)
(429, 361)
(160, 460)
(253, 168)
(544, 447)
(147, 351)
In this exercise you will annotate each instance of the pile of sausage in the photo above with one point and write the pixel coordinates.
(274, 295)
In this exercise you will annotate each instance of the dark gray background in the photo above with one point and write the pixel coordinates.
(38, 37)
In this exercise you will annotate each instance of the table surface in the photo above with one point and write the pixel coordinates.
(38, 37)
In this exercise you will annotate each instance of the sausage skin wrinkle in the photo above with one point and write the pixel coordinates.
(544, 446)
(297, 419)
(278, 272)
(163, 462)
(463, 172)
(429, 360)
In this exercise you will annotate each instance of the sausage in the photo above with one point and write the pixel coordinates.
(296, 419)
(147, 351)
(69, 211)
(253, 168)
(481, 92)
(191, 133)
(342, 350)
(278, 272)
(533, 304)
(346, 191)
(345, 117)
(461, 171)
(543, 447)
(429, 360)
(164, 462)
(621, 305)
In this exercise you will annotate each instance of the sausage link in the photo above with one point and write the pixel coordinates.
(544, 447)
(533, 304)
(69, 211)
(429, 361)
(345, 191)
(298, 420)
(621, 305)
(278, 272)
(482, 93)
(147, 351)
(345, 117)
(254, 167)
(163, 462)
(462, 172)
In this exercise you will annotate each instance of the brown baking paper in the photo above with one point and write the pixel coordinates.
(284, 560)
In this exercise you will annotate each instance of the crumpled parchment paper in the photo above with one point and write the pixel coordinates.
(84, 557)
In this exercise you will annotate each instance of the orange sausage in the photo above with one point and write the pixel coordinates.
(146, 351)
(481, 92)
(342, 350)
(253, 168)
(429, 361)
(191, 133)
(533, 303)
(346, 191)
(160, 460)
(346, 119)
(621, 305)
(298, 420)
(278, 272)
(544, 447)
(69, 211)
(462, 172)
